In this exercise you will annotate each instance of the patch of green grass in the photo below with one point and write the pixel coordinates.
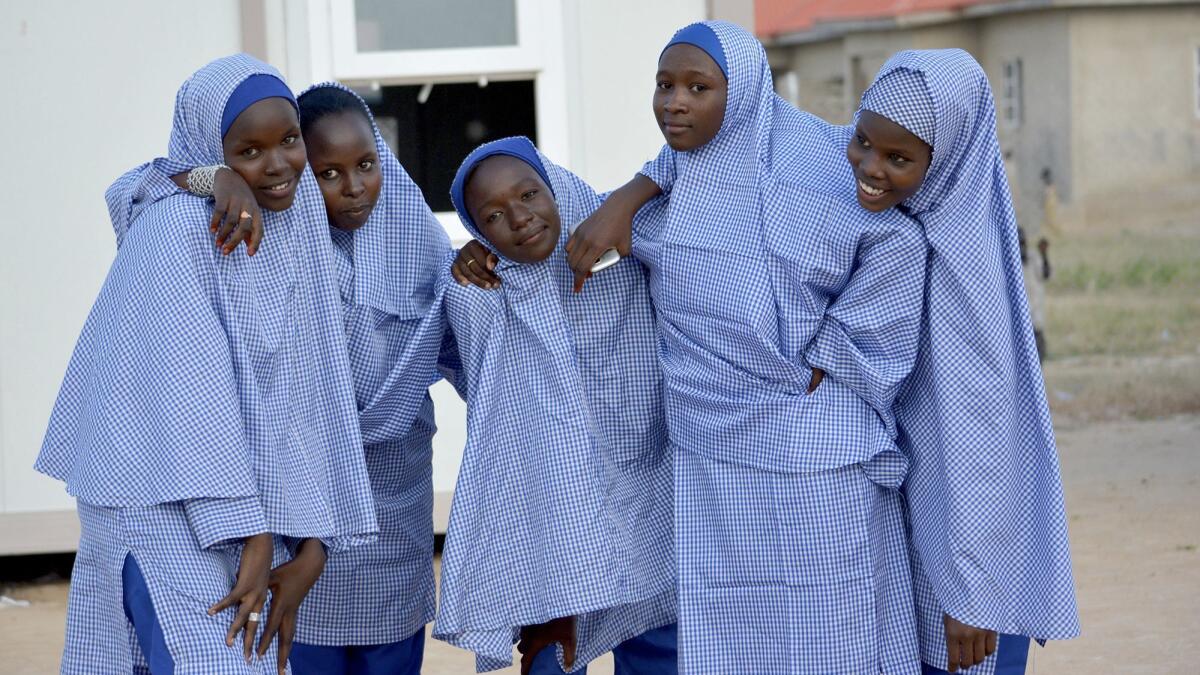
(1125, 293)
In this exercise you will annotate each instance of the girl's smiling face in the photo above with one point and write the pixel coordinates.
(341, 150)
(264, 146)
(889, 161)
(513, 208)
(689, 97)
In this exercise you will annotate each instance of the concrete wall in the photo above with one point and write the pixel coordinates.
(831, 75)
(820, 75)
(1044, 138)
(89, 93)
(740, 12)
(1136, 137)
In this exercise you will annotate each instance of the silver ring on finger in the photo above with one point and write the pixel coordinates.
(254, 617)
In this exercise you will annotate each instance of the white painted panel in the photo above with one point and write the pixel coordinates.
(614, 48)
(89, 91)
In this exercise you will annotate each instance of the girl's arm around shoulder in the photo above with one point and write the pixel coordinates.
(868, 337)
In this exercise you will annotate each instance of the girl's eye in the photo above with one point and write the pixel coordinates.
(289, 140)
(698, 88)
(492, 217)
(330, 174)
(250, 153)
(529, 195)
(367, 165)
(862, 141)
(664, 85)
(897, 159)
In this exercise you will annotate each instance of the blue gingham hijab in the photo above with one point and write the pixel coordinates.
(199, 375)
(986, 496)
(563, 501)
(398, 253)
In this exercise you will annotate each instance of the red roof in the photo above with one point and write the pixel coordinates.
(776, 17)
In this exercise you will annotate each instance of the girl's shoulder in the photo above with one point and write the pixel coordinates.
(172, 231)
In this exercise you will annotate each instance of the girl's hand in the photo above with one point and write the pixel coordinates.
(815, 381)
(610, 226)
(474, 265)
(537, 637)
(290, 583)
(966, 646)
(236, 215)
(250, 591)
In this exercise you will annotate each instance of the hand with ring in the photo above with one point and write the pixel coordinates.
(236, 216)
(249, 593)
(290, 583)
(474, 265)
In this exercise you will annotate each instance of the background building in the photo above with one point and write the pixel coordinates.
(1104, 94)
(89, 94)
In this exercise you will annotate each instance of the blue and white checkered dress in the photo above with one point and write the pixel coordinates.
(563, 503)
(985, 497)
(384, 592)
(792, 555)
(386, 271)
(208, 398)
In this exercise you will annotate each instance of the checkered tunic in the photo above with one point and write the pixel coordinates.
(384, 592)
(984, 493)
(563, 502)
(216, 388)
(788, 516)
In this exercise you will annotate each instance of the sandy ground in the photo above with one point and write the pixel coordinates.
(1133, 495)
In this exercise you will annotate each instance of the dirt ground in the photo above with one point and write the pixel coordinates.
(1133, 498)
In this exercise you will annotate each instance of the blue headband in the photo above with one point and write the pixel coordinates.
(514, 146)
(252, 90)
(702, 36)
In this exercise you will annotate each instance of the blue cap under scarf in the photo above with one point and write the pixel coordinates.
(514, 146)
(702, 36)
(252, 90)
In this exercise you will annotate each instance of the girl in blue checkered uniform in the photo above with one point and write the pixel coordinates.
(367, 612)
(789, 524)
(984, 494)
(561, 525)
(206, 423)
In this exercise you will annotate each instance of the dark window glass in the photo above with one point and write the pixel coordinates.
(432, 138)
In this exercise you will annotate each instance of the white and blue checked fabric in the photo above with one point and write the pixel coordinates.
(563, 503)
(765, 268)
(903, 94)
(984, 491)
(210, 395)
(204, 376)
(184, 581)
(396, 263)
(383, 592)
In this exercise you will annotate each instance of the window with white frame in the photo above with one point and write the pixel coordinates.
(1012, 104)
(443, 76)
(388, 25)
